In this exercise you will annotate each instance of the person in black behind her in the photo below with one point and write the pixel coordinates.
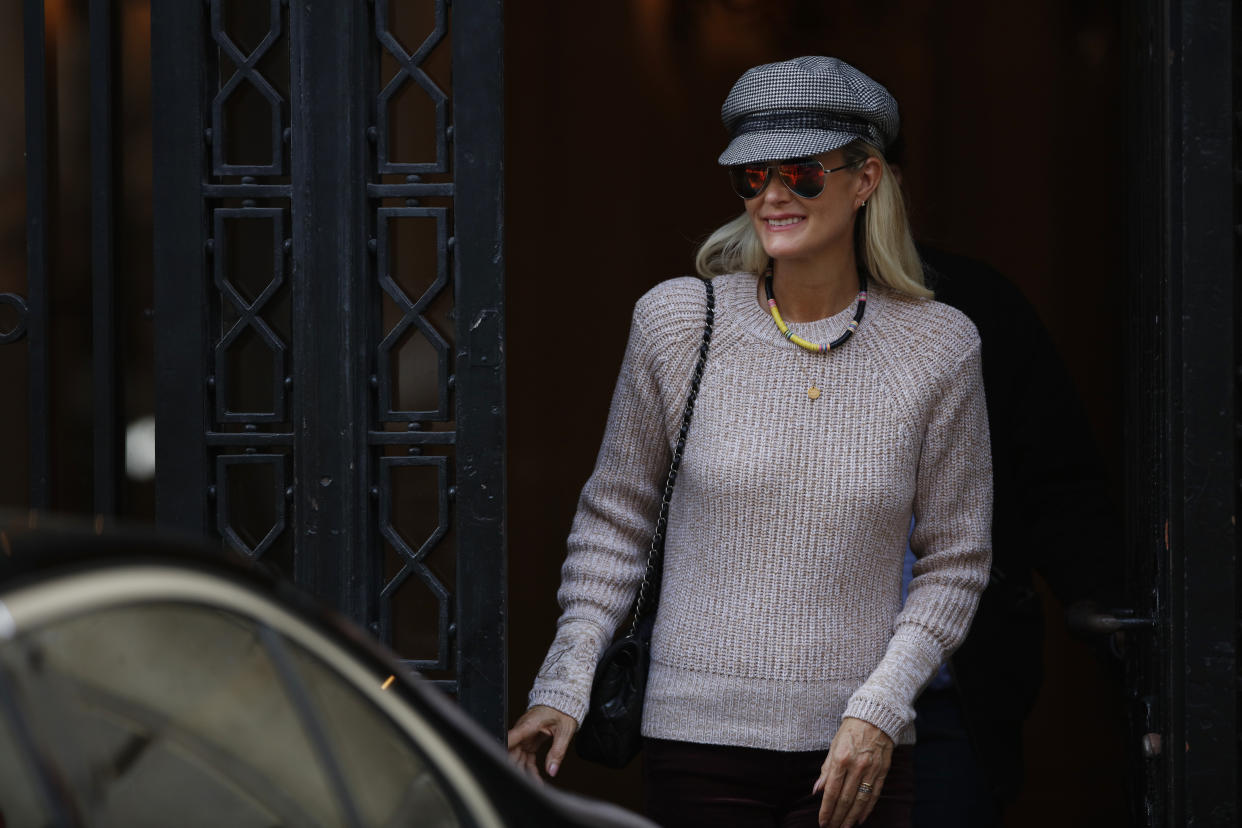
(1052, 515)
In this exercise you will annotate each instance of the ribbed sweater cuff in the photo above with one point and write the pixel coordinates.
(564, 680)
(886, 699)
(567, 704)
(873, 712)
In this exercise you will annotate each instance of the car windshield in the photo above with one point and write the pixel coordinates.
(191, 715)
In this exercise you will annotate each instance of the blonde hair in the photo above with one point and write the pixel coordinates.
(882, 240)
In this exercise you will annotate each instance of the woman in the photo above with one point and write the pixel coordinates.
(839, 404)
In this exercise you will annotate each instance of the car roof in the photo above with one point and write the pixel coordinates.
(36, 547)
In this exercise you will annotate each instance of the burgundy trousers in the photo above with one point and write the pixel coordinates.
(687, 785)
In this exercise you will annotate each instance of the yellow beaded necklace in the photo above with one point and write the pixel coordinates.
(799, 341)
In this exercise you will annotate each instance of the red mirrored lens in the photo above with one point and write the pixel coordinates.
(805, 178)
(748, 179)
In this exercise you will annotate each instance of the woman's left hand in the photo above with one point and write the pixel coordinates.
(853, 774)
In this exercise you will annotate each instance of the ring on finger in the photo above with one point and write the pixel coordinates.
(865, 789)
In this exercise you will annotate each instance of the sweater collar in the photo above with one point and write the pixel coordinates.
(739, 296)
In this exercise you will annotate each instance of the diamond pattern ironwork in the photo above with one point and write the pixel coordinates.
(249, 317)
(415, 560)
(413, 312)
(224, 517)
(410, 70)
(246, 72)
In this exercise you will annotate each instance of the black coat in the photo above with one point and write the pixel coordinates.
(1051, 514)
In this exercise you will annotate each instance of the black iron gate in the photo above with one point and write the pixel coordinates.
(329, 309)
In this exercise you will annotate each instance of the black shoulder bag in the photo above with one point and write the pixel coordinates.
(611, 732)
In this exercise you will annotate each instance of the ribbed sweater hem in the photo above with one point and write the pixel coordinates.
(772, 714)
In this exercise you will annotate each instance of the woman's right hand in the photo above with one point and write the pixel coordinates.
(537, 725)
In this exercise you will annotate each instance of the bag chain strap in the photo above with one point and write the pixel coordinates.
(649, 590)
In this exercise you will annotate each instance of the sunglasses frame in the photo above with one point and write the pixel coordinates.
(767, 175)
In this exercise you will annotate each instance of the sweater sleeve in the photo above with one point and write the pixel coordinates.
(611, 531)
(952, 541)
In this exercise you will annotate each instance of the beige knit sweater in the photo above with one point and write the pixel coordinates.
(781, 610)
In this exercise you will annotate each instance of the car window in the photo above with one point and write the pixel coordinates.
(390, 784)
(182, 714)
(20, 802)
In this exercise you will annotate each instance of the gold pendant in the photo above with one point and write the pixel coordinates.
(813, 392)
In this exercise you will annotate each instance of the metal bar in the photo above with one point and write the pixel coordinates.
(247, 191)
(38, 198)
(447, 686)
(1146, 377)
(1203, 600)
(482, 606)
(103, 287)
(331, 393)
(411, 438)
(249, 439)
(178, 72)
(412, 190)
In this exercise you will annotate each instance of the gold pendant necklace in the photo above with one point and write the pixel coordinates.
(813, 391)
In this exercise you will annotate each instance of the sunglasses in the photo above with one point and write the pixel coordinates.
(805, 177)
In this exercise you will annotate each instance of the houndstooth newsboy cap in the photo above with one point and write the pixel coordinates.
(804, 106)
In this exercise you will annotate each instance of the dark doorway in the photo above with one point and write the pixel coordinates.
(1016, 132)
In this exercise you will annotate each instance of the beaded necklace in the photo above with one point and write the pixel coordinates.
(814, 392)
(799, 341)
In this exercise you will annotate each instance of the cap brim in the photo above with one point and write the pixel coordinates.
(777, 145)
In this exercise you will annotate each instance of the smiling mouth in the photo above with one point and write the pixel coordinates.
(783, 222)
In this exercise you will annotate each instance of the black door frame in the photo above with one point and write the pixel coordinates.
(1181, 420)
